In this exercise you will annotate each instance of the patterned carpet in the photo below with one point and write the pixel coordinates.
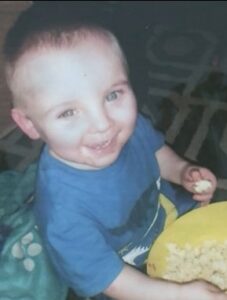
(187, 96)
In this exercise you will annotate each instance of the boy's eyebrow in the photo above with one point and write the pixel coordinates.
(121, 82)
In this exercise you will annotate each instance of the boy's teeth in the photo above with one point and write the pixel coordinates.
(100, 146)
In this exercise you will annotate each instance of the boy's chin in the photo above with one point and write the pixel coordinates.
(101, 163)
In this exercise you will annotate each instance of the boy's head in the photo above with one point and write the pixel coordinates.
(70, 87)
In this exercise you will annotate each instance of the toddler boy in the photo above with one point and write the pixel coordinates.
(102, 194)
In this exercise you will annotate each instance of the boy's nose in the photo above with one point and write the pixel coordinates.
(100, 121)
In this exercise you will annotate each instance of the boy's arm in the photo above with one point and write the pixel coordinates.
(200, 181)
(131, 284)
(171, 165)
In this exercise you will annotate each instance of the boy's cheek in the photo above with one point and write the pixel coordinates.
(59, 135)
(126, 112)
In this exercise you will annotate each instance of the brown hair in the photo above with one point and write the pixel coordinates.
(43, 26)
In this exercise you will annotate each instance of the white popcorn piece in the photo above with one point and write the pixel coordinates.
(202, 186)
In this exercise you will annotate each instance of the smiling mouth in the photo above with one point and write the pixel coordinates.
(101, 146)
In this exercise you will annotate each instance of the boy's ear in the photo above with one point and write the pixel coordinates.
(24, 123)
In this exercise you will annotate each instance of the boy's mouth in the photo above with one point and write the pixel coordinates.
(100, 146)
(106, 145)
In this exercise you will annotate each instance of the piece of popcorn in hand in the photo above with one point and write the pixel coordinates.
(202, 186)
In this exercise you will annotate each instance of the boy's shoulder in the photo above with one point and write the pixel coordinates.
(144, 121)
(146, 133)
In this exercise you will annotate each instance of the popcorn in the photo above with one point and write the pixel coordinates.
(194, 247)
(202, 186)
(206, 261)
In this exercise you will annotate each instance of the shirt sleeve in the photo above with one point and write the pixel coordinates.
(81, 255)
(154, 138)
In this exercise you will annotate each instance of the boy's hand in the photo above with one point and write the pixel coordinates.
(200, 290)
(199, 181)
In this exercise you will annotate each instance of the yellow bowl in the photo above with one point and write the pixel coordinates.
(202, 227)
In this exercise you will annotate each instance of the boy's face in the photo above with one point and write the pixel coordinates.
(82, 105)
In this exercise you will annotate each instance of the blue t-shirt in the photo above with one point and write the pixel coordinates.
(95, 220)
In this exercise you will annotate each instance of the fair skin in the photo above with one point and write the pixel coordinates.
(81, 104)
(80, 134)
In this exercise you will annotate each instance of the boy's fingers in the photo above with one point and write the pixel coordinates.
(195, 174)
(204, 203)
(202, 197)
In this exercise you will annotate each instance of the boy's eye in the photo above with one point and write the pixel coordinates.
(67, 113)
(112, 96)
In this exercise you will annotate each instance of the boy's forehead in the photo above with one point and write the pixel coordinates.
(35, 69)
(91, 47)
